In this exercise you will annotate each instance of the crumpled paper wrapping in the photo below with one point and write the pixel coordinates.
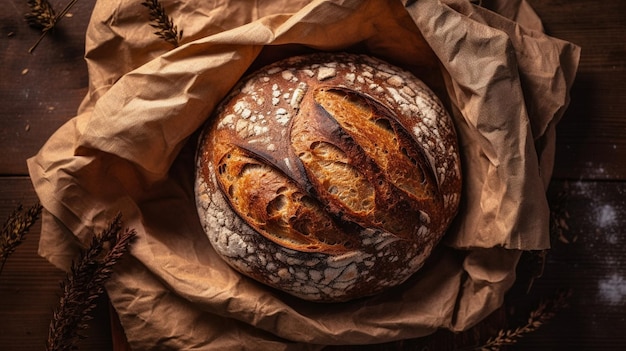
(130, 149)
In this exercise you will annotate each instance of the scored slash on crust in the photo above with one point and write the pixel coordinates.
(277, 207)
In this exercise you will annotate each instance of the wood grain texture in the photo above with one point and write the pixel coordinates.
(588, 258)
(590, 137)
(41, 91)
(29, 285)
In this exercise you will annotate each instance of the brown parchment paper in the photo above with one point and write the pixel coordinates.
(130, 149)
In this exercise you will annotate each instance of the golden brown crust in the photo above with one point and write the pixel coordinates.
(276, 207)
(361, 161)
(329, 176)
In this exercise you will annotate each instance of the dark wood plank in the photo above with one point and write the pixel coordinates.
(42, 90)
(590, 259)
(590, 138)
(591, 142)
(29, 285)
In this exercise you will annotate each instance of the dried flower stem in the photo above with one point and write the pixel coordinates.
(85, 284)
(42, 16)
(15, 228)
(543, 313)
(166, 29)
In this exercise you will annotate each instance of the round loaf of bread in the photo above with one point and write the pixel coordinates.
(328, 176)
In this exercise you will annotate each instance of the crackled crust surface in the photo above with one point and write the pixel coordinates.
(328, 176)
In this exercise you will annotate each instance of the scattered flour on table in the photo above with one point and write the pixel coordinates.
(608, 220)
(612, 289)
(606, 216)
(582, 188)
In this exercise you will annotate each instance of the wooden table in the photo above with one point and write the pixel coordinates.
(42, 90)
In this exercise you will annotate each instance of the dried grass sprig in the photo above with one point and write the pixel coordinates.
(85, 284)
(546, 310)
(42, 16)
(15, 228)
(166, 29)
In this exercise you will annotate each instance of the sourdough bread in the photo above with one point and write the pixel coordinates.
(329, 176)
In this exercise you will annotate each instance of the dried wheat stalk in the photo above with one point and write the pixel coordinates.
(42, 16)
(166, 29)
(543, 313)
(85, 284)
(15, 228)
